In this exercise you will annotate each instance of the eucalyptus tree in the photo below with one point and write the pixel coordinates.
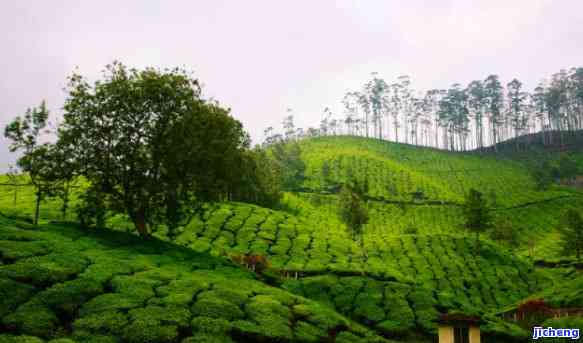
(576, 77)
(312, 132)
(334, 126)
(268, 135)
(288, 125)
(432, 99)
(427, 106)
(350, 103)
(495, 102)
(453, 114)
(325, 122)
(375, 91)
(396, 106)
(556, 103)
(406, 102)
(516, 107)
(540, 110)
(364, 103)
(477, 102)
(418, 112)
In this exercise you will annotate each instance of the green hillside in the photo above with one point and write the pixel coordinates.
(414, 261)
(416, 189)
(60, 281)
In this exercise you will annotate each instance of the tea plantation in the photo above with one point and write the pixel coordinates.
(64, 283)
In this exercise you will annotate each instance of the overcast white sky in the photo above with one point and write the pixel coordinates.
(260, 57)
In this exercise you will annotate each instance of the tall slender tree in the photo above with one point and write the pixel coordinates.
(25, 133)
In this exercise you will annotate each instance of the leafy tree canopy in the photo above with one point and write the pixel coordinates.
(147, 140)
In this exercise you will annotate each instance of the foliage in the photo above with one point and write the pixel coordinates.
(505, 232)
(141, 137)
(260, 179)
(25, 134)
(572, 233)
(352, 210)
(106, 286)
(288, 157)
(477, 217)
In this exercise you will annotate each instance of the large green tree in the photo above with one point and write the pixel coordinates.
(147, 140)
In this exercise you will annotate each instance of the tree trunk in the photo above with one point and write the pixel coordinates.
(37, 208)
(140, 222)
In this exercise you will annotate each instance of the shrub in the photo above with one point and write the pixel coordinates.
(87, 337)
(134, 286)
(207, 338)
(12, 294)
(367, 308)
(146, 331)
(209, 325)
(111, 322)
(68, 296)
(45, 270)
(19, 339)
(217, 308)
(320, 316)
(180, 292)
(233, 295)
(11, 250)
(348, 337)
(565, 322)
(271, 315)
(306, 332)
(110, 302)
(34, 319)
(167, 315)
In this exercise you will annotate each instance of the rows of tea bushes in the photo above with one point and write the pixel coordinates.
(396, 171)
(534, 224)
(62, 284)
(445, 263)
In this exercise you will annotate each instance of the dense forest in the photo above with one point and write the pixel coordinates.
(483, 113)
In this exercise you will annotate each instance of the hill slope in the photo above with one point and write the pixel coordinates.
(415, 189)
(60, 281)
(414, 262)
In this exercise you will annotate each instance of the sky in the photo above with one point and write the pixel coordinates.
(260, 58)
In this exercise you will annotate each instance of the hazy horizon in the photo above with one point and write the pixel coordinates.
(260, 60)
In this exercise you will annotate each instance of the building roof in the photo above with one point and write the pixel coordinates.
(459, 319)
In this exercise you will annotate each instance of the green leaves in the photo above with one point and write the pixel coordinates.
(572, 233)
(147, 140)
(351, 207)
